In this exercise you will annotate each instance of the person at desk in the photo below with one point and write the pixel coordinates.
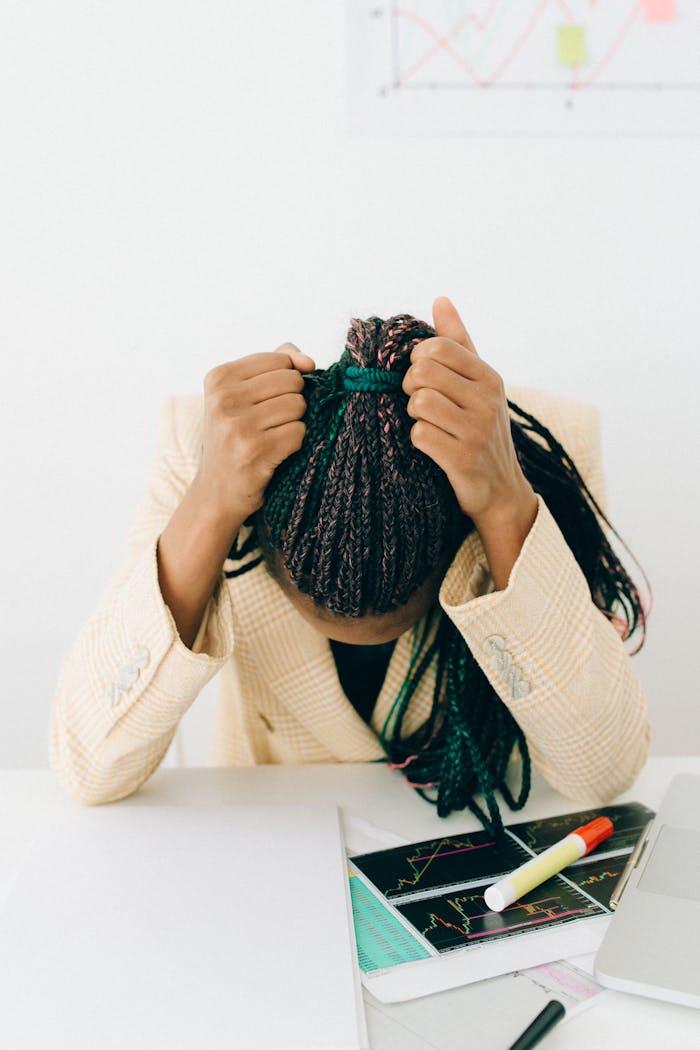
(391, 558)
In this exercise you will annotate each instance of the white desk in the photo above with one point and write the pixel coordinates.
(31, 799)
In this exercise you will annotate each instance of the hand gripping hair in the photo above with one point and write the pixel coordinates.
(361, 518)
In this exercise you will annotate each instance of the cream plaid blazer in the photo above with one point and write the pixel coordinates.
(552, 657)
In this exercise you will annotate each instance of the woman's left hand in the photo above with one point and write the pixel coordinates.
(463, 424)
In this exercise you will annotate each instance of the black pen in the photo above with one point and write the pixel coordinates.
(546, 1019)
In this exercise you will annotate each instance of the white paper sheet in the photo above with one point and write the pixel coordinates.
(489, 1015)
(425, 977)
(362, 836)
(177, 927)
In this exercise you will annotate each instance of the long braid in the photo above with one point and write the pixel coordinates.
(361, 519)
(553, 474)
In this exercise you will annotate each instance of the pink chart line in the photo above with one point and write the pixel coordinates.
(518, 925)
(449, 853)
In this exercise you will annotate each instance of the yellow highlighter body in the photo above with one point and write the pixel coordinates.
(549, 863)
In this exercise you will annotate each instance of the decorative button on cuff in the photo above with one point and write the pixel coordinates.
(140, 656)
(504, 664)
(126, 677)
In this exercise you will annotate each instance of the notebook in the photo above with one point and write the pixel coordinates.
(178, 927)
(651, 945)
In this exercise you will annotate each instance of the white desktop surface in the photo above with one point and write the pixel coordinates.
(30, 800)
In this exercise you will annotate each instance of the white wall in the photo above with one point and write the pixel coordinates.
(178, 188)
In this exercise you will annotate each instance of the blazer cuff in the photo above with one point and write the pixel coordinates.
(518, 634)
(159, 677)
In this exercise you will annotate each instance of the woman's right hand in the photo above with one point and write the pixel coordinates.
(253, 412)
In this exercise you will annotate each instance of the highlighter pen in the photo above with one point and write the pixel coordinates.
(536, 871)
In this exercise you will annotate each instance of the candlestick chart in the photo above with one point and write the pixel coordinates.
(629, 820)
(429, 895)
(457, 920)
(599, 877)
(436, 863)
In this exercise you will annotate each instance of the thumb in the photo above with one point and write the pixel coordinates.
(301, 361)
(447, 322)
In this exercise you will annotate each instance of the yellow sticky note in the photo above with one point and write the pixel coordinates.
(571, 45)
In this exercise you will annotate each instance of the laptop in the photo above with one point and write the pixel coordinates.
(651, 945)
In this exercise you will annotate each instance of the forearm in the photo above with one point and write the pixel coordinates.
(127, 681)
(128, 678)
(503, 531)
(191, 551)
(556, 662)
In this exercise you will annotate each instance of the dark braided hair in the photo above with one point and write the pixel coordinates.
(361, 518)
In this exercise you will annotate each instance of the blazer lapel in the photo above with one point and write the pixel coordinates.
(297, 664)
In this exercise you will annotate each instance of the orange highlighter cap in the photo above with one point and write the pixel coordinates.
(596, 832)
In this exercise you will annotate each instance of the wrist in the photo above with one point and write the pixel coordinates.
(512, 515)
(503, 531)
(209, 506)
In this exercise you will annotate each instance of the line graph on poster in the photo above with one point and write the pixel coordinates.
(623, 67)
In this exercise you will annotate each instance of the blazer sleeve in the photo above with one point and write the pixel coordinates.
(128, 678)
(551, 655)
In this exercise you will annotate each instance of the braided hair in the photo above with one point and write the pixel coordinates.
(361, 518)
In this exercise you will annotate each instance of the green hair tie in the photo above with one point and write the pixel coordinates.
(376, 379)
